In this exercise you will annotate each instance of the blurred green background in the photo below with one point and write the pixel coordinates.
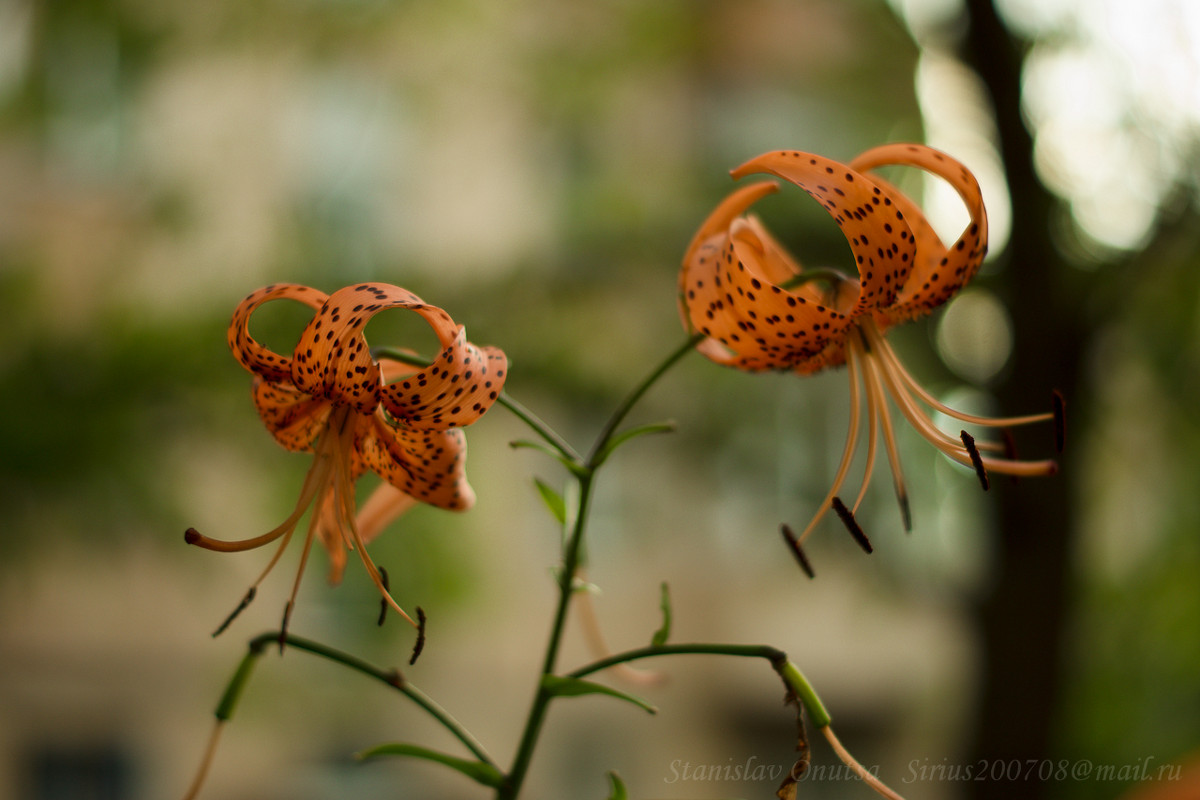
(536, 168)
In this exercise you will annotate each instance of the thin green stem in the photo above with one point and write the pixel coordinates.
(633, 397)
(540, 428)
(391, 677)
(541, 700)
(585, 474)
(776, 656)
(791, 675)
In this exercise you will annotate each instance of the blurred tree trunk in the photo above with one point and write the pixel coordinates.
(1022, 614)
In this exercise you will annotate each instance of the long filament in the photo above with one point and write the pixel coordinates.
(851, 440)
(344, 499)
(937, 437)
(877, 403)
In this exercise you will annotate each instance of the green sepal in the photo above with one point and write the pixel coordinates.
(617, 791)
(624, 436)
(660, 635)
(477, 771)
(561, 686)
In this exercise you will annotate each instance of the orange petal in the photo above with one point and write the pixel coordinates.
(730, 292)
(455, 390)
(294, 418)
(428, 465)
(938, 272)
(250, 354)
(879, 236)
(332, 359)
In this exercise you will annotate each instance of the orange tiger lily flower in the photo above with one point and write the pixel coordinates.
(333, 399)
(758, 309)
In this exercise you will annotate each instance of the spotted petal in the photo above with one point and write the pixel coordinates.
(455, 390)
(730, 291)
(426, 464)
(250, 354)
(294, 418)
(879, 235)
(938, 272)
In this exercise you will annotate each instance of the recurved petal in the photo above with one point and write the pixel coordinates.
(879, 236)
(250, 354)
(455, 390)
(294, 418)
(938, 272)
(332, 359)
(428, 465)
(730, 292)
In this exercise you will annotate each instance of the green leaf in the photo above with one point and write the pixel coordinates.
(553, 500)
(660, 635)
(561, 686)
(618, 788)
(625, 436)
(573, 466)
(477, 771)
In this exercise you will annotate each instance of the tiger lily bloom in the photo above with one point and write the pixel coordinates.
(755, 308)
(354, 413)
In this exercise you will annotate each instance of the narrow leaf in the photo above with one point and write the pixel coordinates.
(618, 787)
(631, 433)
(574, 687)
(477, 771)
(553, 500)
(660, 635)
(571, 464)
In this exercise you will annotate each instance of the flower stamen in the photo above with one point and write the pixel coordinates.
(976, 461)
(797, 550)
(852, 366)
(847, 518)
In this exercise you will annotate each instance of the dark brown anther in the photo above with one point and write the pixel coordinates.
(383, 603)
(1060, 421)
(240, 608)
(419, 645)
(797, 550)
(977, 462)
(851, 524)
(283, 625)
(905, 511)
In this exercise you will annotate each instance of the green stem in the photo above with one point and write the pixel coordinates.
(633, 397)
(776, 656)
(792, 677)
(586, 474)
(391, 677)
(540, 428)
(541, 700)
